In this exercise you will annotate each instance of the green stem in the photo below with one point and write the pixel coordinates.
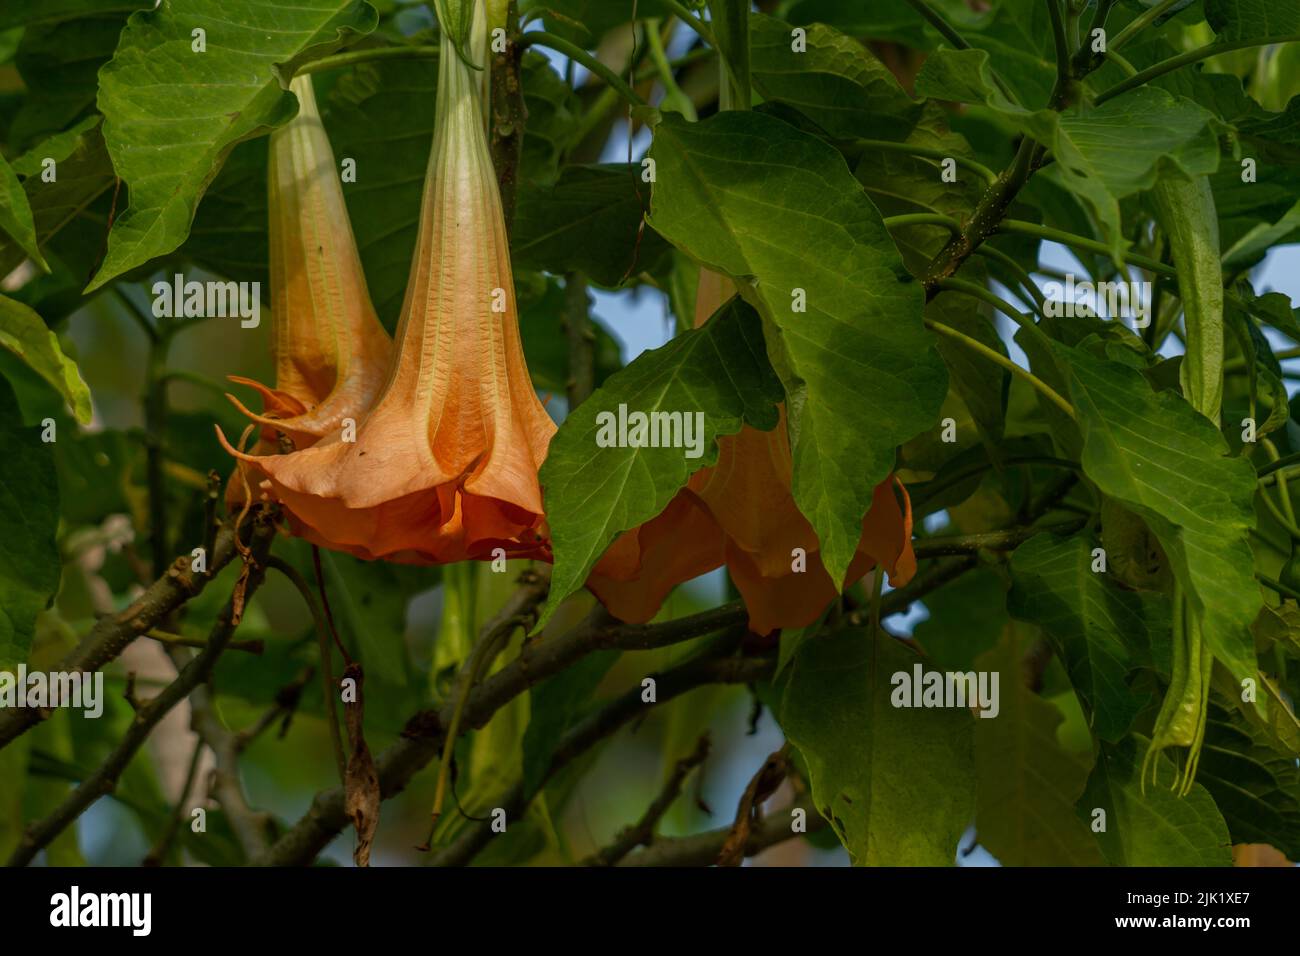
(1080, 242)
(690, 20)
(367, 55)
(1284, 490)
(578, 54)
(985, 294)
(998, 358)
(1140, 23)
(673, 94)
(928, 152)
(1020, 273)
(1184, 59)
(922, 219)
(1277, 586)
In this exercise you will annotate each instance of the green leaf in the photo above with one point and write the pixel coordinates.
(836, 82)
(590, 221)
(55, 11)
(1099, 630)
(861, 373)
(1165, 461)
(1157, 828)
(59, 64)
(24, 334)
(967, 618)
(718, 372)
(172, 114)
(82, 172)
(16, 214)
(29, 513)
(897, 784)
(1026, 783)
(1252, 19)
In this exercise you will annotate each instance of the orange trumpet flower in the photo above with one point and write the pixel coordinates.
(331, 353)
(444, 465)
(741, 513)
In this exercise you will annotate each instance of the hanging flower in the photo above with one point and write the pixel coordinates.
(444, 466)
(331, 353)
(741, 513)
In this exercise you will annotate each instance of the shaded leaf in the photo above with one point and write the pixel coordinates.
(29, 513)
(896, 784)
(1100, 630)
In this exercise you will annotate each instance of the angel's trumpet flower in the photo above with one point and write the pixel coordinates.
(444, 466)
(331, 353)
(741, 512)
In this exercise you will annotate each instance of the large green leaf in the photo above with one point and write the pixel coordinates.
(172, 114)
(1100, 630)
(897, 784)
(590, 221)
(1252, 19)
(1163, 460)
(1026, 783)
(556, 704)
(835, 82)
(718, 371)
(1155, 828)
(24, 334)
(861, 372)
(29, 513)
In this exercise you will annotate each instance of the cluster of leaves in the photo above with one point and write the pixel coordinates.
(836, 184)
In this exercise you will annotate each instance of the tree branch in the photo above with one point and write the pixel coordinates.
(423, 736)
(702, 849)
(110, 635)
(604, 723)
(642, 833)
(103, 780)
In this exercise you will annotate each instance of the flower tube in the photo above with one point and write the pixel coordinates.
(444, 466)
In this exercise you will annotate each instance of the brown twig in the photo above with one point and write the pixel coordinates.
(760, 788)
(702, 849)
(642, 833)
